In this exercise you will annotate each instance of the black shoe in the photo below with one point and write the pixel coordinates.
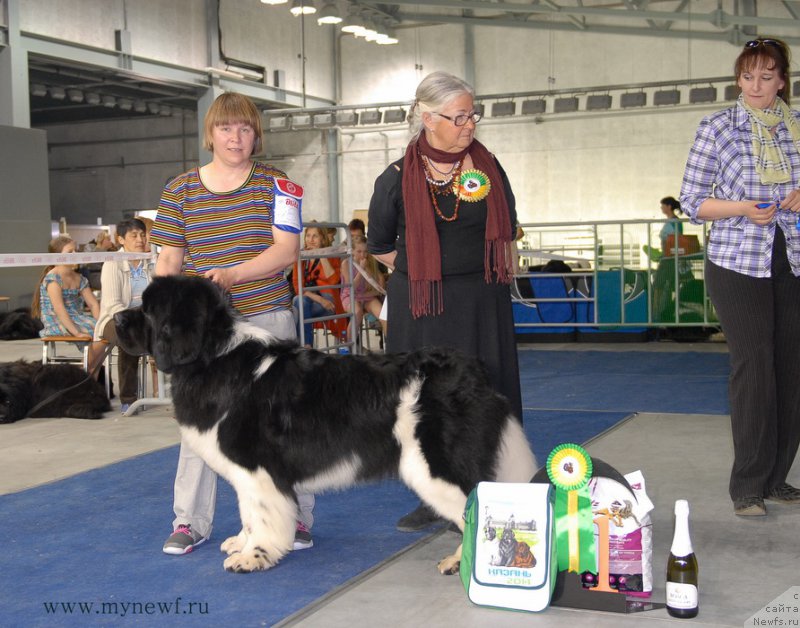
(419, 519)
(785, 494)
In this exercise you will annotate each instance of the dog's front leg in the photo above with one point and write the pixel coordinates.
(268, 523)
(449, 564)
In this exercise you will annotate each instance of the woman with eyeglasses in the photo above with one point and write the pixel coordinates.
(443, 218)
(743, 175)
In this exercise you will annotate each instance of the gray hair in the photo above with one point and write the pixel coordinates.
(435, 91)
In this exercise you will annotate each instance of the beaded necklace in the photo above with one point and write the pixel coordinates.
(443, 187)
(444, 174)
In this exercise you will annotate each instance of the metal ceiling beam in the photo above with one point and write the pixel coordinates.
(159, 72)
(719, 18)
(730, 36)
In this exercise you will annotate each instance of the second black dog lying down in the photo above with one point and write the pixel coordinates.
(273, 418)
(23, 385)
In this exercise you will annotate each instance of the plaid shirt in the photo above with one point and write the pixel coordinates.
(721, 165)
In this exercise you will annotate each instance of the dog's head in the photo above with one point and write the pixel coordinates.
(182, 320)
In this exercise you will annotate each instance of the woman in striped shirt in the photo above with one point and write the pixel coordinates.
(236, 222)
(743, 174)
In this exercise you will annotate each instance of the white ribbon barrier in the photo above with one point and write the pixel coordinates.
(10, 260)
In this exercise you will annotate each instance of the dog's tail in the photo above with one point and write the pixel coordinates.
(515, 460)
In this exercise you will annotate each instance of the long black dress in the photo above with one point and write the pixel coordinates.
(477, 317)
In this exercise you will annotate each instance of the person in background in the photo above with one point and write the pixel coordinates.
(743, 176)
(357, 228)
(123, 282)
(103, 242)
(368, 283)
(321, 271)
(670, 207)
(664, 286)
(62, 297)
(235, 221)
(443, 217)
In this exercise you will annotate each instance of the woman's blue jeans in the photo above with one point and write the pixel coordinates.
(311, 309)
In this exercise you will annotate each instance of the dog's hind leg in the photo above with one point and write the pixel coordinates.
(268, 523)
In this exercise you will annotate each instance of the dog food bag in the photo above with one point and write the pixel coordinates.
(630, 548)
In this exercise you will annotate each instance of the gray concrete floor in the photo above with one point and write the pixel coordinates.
(744, 564)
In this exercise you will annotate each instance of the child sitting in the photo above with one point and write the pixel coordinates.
(368, 283)
(62, 295)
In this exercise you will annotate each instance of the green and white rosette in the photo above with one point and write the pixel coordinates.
(569, 468)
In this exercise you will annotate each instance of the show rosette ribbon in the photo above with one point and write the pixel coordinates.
(569, 468)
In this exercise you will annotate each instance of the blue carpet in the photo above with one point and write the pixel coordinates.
(95, 539)
(627, 381)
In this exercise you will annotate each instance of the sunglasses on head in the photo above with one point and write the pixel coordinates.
(755, 43)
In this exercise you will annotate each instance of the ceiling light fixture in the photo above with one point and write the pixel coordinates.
(303, 7)
(371, 31)
(92, 98)
(37, 89)
(702, 94)
(329, 14)
(532, 107)
(633, 99)
(393, 116)
(507, 108)
(139, 106)
(371, 116)
(598, 102)
(389, 38)
(75, 95)
(59, 93)
(667, 97)
(353, 23)
(274, 2)
(323, 120)
(346, 118)
(125, 104)
(302, 121)
(279, 123)
(109, 101)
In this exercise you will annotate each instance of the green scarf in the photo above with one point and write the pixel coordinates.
(771, 164)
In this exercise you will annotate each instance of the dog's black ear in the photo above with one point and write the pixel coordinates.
(133, 334)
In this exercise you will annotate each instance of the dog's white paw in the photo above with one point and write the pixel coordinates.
(449, 565)
(246, 562)
(233, 544)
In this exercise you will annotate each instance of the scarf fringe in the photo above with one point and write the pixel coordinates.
(426, 297)
(497, 260)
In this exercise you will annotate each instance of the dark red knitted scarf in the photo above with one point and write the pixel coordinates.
(422, 239)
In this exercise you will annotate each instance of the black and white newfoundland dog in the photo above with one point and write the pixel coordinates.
(273, 418)
(63, 390)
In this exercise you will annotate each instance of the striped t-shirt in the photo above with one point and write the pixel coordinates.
(220, 230)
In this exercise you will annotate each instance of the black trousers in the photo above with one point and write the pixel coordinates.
(761, 321)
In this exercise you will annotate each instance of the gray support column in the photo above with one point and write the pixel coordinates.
(469, 55)
(15, 109)
(332, 151)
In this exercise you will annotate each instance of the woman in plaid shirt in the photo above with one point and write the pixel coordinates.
(743, 174)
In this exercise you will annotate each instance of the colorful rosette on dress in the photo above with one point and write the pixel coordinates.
(473, 185)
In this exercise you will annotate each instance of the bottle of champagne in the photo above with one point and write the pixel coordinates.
(682, 592)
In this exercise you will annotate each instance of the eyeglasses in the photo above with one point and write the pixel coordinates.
(461, 119)
(755, 43)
